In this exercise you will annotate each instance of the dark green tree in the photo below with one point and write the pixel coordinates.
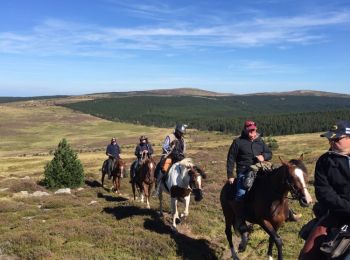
(65, 169)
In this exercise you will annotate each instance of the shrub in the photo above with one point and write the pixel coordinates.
(65, 169)
(272, 143)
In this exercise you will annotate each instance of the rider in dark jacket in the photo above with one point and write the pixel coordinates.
(143, 148)
(332, 187)
(112, 151)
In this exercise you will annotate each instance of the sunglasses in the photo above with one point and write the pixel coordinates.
(336, 140)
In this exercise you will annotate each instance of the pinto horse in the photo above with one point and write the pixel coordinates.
(118, 172)
(144, 178)
(182, 179)
(266, 203)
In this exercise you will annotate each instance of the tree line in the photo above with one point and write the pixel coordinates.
(275, 115)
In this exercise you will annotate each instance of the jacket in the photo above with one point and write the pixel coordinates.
(243, 151)
(142, 147)
(332, 183)
(113, 150)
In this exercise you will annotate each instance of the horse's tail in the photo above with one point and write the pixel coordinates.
(104, 167)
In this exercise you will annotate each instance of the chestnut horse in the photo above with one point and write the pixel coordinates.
(144, 178)
(118, 172)
(266, 203)
(182, 179)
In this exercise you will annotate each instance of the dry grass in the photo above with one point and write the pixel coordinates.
(94, 223)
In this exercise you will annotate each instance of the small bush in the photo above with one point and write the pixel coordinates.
(272, 143)
(65, 170)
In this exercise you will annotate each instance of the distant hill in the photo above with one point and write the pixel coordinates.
(301, 93)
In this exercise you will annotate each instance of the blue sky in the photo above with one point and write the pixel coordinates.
(50, 47)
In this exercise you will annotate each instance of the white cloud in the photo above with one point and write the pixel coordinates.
(58, 37)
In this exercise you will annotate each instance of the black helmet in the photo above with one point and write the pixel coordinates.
(180, 128)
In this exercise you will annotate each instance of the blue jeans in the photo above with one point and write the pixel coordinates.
(240, 189)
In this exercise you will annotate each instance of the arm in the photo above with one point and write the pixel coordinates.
(150, 149)
(166, 146)
(267, 154)
(137, 151)
(325, 193)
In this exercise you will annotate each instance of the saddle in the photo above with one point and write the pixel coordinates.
(337, 242)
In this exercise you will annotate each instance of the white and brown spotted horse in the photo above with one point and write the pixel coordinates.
(182, 179)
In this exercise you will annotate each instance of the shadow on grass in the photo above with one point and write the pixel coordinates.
(111, 198)
(187, 247)
(93, 183)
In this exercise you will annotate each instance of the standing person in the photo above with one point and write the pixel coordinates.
(144, 147)
(248, 149)
(332, 187)
(174, 148)
(112, 151)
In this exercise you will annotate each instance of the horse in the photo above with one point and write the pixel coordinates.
(266, 203)
(182, 179)
(118, 172)
(144, 178)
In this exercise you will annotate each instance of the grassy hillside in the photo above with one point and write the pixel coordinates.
(276, 115)
(95, 223)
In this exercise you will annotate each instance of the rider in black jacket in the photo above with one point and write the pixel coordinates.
(332, 187)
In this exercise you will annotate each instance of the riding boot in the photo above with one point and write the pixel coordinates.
(241, 225)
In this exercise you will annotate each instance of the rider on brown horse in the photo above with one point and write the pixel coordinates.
(245, 151)
(112, 151)
(143, 148)
(174, 149)
(332, 188)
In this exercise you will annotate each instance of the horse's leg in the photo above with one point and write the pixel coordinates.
(147, 194)
(133, 189)
(266, 225)
(102, 178)
(187, 205)
(229, 221)
(174, 212)
(269, 251)
(118, 184)
(160, 196)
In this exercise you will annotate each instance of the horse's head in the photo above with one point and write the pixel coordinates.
(196, 174)
(119, 167)
(296, 181)
(148, 167)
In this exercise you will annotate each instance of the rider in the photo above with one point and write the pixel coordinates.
(332, 186)
(174, 148)
(248, 149)
(144, 147)
(112, 151)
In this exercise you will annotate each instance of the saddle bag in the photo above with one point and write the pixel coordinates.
(338, 244)
(249, 180)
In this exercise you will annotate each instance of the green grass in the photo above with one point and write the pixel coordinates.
(71, 226)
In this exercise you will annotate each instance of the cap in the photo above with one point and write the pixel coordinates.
(249, 125)
(341, 128)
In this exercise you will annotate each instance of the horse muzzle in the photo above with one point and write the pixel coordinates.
(303, 202)
(198, 194)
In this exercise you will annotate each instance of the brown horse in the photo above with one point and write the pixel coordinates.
(266, 203)
(118, 172)
(144, 178)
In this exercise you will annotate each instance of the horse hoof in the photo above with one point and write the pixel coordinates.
(177, 221)
(242, 247)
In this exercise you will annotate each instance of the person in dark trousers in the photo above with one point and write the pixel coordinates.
(144, 147)
(332, 187)
(112, 151)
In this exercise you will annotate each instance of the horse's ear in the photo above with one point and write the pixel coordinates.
(301, 158)
(282, 161)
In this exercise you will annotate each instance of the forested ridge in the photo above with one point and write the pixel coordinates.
(276, 115)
